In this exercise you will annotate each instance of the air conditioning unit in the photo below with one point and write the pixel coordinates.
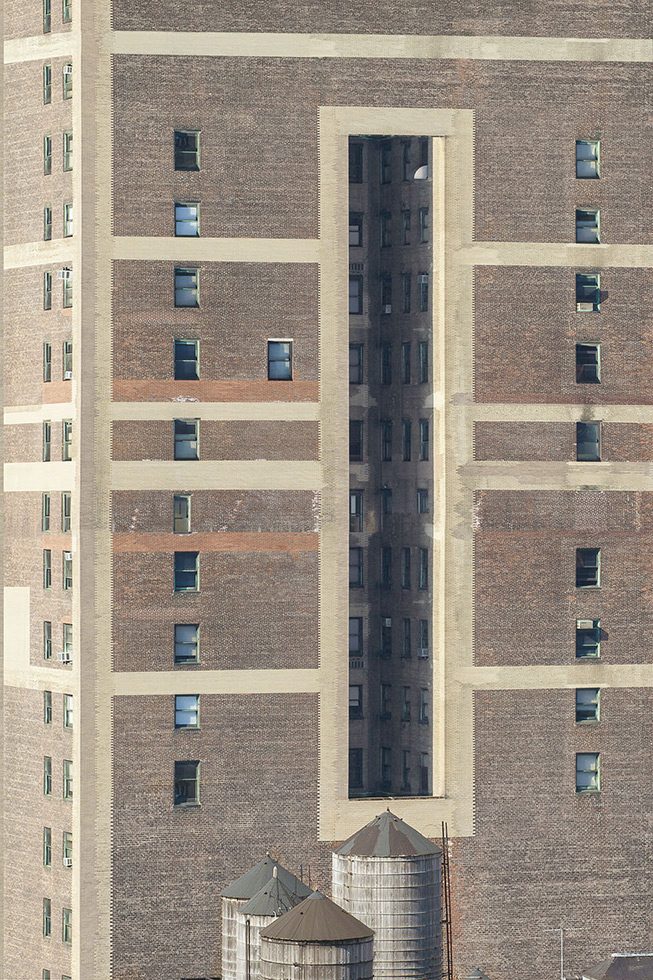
(67, 375)
(65, 657)
(585, 624)
(387, 621)
(387, 308)
(65, 274)
(423, 277)
(423, 653)
(584, 307)
(67, 69)
(67, 862)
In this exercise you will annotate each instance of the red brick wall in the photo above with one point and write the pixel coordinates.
(219, 440)
(620, 441)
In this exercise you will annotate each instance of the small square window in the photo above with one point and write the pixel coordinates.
(67, 221)
(355, 229)
(355, 568)
(279, 360)
(187, 288)
(67, 79)
(47, 917)
(67, 440)
(187, 220)
(67, 283)
(588, 772)
(187, 783)
(424, 702)
(588, 704)
(355, 510)
(47, 639)
(67, 849)
(67, 571)
(67, 779)
(422, 501)
(355, 163)
(588, 154)
(386, 440)
(385, 162)
(47, 16)
(588, 364)
(67, 642)
(423, 283)
(47, 775)
(45, 511)
(423, 225)
(187, 643)
(355, 295)
(424, 429)
(47, 847)
(186, 571)
(67, 11)
(47, 441)
(355, 364)
(47, 568)
(588, 568)
(67, 360)
(187, 149)
(187, 711)
(588, 442)
(588, 292)
(355, 701)
(47, 707)
(423, 582)
(68, 151)
(187, 360)
(588, 639)
(67, 711)
(66, 510)
(355, 636)
(588, 226)
(47, 84)
(67, 926)
(47, 155)
(181, 514)
(423, 638)
(47, 290)
(187, 438)
(355, 441)
(47, 224)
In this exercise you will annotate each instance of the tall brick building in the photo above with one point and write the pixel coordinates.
(177, 467)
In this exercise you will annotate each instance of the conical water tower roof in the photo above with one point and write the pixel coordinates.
(317, 920)
(388, 836)
(273, 899)
(257, 877)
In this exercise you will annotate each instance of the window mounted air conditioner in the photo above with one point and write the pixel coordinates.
(423, 653)
(67, 862)
(387, 621)
(68, 69)
(67, 375)
(65, 274)
(64, 657)
(387, 308)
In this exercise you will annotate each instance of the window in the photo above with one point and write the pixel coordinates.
(355, 163)
(588, 704)
(405, 364)
(405, 704)
(386, 500)
(386, 293)
(67, 779)
(67, 570)
(67, 221)
(67, 360)
(386, 364)
(47, 707)
(47, 775)
(68, 81)
(67, 440)
(386, 637)
(423, 282)
(45, 975)
(386, 767)
(47, 16)
(47, 84)
(423, 439)
(423, 361)
(355, 636)
(405, 770)
(279, 360)
(588, 226)
(386, 236)
(355, 568)
(355, 364)
(187, 783)
(405, 568)
(407, 646)
(47, 639)
(67, 849)
(386, 440)
(47, 441)
(588, 442)
(588, 292)
(67, 641)
(355, 701)
(68, 150)
(355, 768)
(355, 510)
(47, 568)
(424, 706)
(187, 287)
(588, 772)
(47, 155)
(405, 160)
(181, 514)
(386, 702)
(187, 149)
(588, 568)
(187, 438)
(588, 639)
(66, 510)
(47, 290)
(405, 225)
(355, 441)
(67, 277)
(424, 774)
(187, 220)
(67, 11)
(423, 225)
(406, 290)
(355, 229)
(422, 501)
(588, 364)
(186, 571)
(187, 361)
(45, 511)
(386, 567)
(67, 711)
(187, 643)
(47, 847)
(423, 171)
(423, 582)
(67, 925)
(406, 439)
(187, 711)
(423, 638)
(355, 295)
(47, 224)
(588, 159)
(47, 917)
(385, 167)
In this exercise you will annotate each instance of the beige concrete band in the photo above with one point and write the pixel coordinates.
(26, 477)
(221, 474)
(59, 44)
(159, 249)
(59, 252)
(168, 682)
(568, 412)
(218, 411)
(37, 414)
(569, 254)
(544, 475)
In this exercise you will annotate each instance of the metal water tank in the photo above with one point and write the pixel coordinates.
(317, 940)
(389, 876)
(272, 901)
(239, 892)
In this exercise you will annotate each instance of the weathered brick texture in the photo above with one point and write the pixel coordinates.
(218, 440)
(620, 441)
(23, 19)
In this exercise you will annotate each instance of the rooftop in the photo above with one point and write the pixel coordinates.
(273, 899)
(388, 836)
(622, 966)
(258, 877)
(317, 920)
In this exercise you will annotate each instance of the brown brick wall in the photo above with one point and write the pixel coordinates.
(567, 18)
(260, 160)
(259, 756)
(526, 600)
(527, 328)
(542, 856)
(27, 811)
(620, 441)
(219, 440)
(22, 19)
(255, 610)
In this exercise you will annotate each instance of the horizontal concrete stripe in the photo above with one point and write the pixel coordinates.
(21, 477)
(547, 412)
(543, 475)
(156, 390)
(218, 541)
(36, 414)
(216, 475)
(55, 253)
(556, 677)
(56, 542)
(491, 48)
(217, 411)
(168, 683)
(55, 45)
(159, 249)
(564, 254)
